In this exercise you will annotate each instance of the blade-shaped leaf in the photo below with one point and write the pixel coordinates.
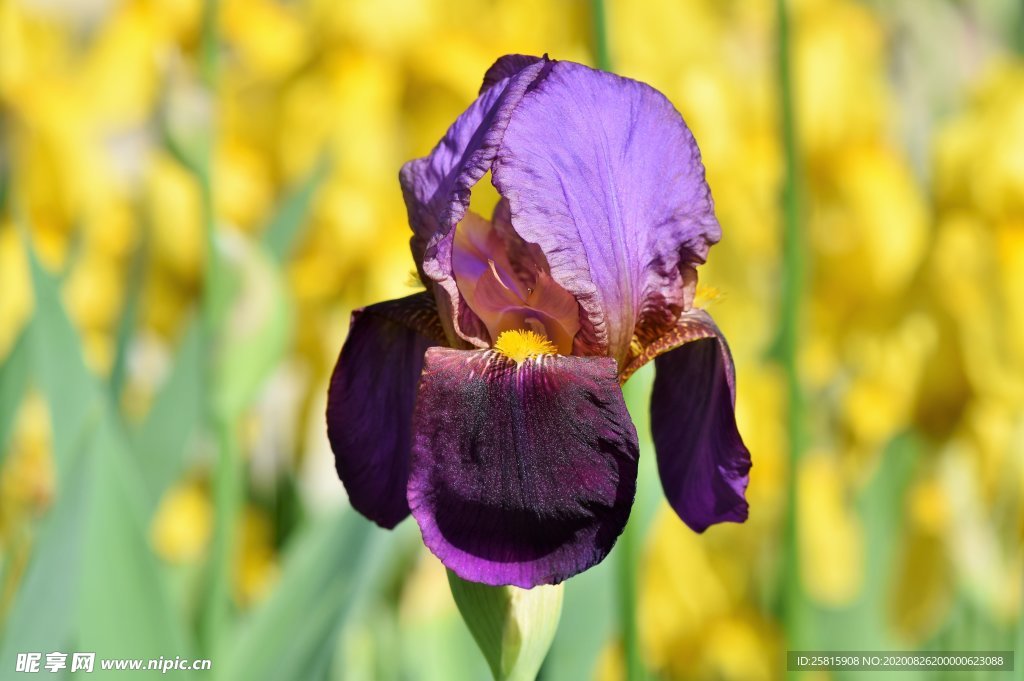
(255, 334)
(13, 382)
(173, 419)
(438, 647)
(282, 231)
(59, 367)
(124, 607)
(91, 583)
(129, 313)
(330, 567)
(588, 623)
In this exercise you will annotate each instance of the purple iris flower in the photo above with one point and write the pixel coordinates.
(490, 405)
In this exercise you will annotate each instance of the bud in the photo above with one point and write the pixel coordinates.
(514, 627)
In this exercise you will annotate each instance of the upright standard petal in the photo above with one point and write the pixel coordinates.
(506, 67)
(370, 402)
(603, 174)
(521, 473)
(703, 462)
(437, 190)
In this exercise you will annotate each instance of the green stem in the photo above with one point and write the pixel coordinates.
(209, 44)
(789, 326)
(129, 313)
(227, 500)
(6, 162)
(227, 478)
(1019, 38)
(626, 574)
(601, 53)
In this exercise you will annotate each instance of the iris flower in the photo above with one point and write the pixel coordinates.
(490, 405)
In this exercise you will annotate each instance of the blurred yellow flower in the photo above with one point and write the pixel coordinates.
(16, 302)
(839, 76)
(922, 589)
(269, 38)
(692, 615)
(93, 297)
(976, 168)
(27, 477)
(830, 537)
(426, 596)
(870, 225)
(244, 184)
(181, 527)
(173, 209)
(928, 507)
(256, 563)
(885, 367)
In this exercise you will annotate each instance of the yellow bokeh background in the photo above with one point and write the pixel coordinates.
(910, 132)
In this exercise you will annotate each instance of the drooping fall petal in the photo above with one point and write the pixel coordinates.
(521, 474)
(703, 463)
(370, 402)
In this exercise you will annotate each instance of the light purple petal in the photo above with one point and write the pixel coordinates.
(437, 190)
(506, 67)
(370, 402)
(703, 462)
(520, 474)
(603, 174)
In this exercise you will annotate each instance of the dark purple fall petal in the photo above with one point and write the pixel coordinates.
(603, 174)
(703, 462)
(370, 402)
(520, 474)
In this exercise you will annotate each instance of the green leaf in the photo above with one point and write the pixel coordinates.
(44, 612)
(328, 570)
(173, 419)
(13, 382)
(124, 605)
(255, 334)
(129, 314)
(865, 623)
(280, 233)
(91, 583)
(514, 627)
(438, 647)
(626, 555)
(59, 367)
(588, 624)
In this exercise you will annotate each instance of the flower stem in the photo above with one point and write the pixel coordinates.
(1020, 28)
(602, 56)
(626, 577)
(208, 43)
(227, 475)
(789, 326)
